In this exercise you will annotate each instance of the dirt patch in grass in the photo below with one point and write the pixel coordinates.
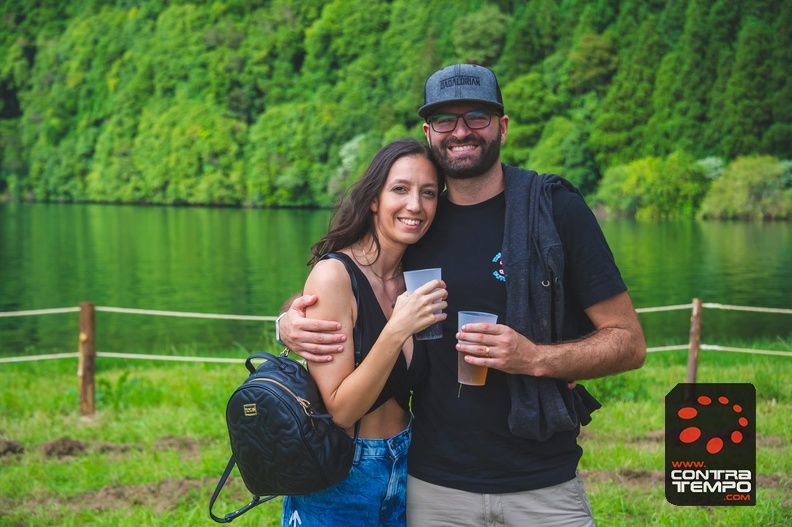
(624, 477)
(163, 495)
(187, 446)
(68, 447)
(771, 441)
(8, 448)
(654, 437)
(159, 496)
(775, 481)
(655, 440)
(62, 447)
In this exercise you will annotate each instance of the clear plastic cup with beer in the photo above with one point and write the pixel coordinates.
(468, 373)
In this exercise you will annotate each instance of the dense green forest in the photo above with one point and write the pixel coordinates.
(653, 108)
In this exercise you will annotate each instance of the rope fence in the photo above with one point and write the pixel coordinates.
(87, 353)
(182, 314)
(40, 312)
(129, 311)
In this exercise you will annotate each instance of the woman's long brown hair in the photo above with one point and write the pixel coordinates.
(353, 218)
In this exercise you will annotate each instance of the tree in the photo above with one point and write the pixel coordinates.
(695, 79)
(547, 156)
(531, 36)
(530, 105)
(413, 55)
(345, 31)
(747, 110)
(478, 37)
(724, 22)
(655, 187)
(591, 65)
(280, 102)
(756, 187)
(778, 136)
(619, 129)
(189, 153)
(662, 128)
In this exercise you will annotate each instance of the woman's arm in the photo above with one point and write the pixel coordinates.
(312, 339)
(349, 392)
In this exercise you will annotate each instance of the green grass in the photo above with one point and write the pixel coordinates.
(625, 438)
(158, 443)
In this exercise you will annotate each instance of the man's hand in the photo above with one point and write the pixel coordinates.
(616, 345)
(311, 339)
(493, 345)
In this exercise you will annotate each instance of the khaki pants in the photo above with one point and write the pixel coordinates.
(562, 505)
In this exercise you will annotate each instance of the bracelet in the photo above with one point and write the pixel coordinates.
(277, 329)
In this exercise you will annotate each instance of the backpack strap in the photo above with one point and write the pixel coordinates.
(357, 332)
(228, 518)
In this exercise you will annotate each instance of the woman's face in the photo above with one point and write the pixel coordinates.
(407, 203)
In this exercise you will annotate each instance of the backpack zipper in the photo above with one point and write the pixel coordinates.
(304, 403)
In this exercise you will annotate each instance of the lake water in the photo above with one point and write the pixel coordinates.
(247, 262)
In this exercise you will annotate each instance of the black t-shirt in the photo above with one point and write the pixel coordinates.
(460, 434)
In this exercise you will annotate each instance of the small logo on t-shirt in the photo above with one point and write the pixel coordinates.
(499, 273)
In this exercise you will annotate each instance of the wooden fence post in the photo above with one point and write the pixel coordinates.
(86, 371)
(695, 342)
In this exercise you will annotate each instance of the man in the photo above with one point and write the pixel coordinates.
(529, 249)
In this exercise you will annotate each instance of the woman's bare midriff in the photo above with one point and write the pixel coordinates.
(386, 421)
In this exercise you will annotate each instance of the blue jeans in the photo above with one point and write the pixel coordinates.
(374, 493)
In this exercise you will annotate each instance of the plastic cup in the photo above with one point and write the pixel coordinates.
(468, 373)
(415, 279)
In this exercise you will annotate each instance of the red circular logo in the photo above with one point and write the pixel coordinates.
(692, 434)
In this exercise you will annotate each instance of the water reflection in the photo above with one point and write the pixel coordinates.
(241, 261)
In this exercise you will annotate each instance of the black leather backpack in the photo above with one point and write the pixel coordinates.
(282, 438)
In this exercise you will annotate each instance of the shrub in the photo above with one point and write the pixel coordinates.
(654, 188)
(757, 187)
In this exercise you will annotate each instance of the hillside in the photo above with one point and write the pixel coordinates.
(281, 103)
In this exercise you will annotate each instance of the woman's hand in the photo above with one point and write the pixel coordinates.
(415, 312)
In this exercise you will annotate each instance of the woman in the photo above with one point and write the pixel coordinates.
(389, 208)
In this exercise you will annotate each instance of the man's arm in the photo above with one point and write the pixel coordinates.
(617, 344)
(312, 339)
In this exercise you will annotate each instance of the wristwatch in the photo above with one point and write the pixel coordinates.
(277, 329)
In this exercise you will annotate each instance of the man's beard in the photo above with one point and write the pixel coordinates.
(468, 166)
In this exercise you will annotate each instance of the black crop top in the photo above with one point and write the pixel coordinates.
(371, 320)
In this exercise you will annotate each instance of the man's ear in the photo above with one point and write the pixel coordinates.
(504, 128)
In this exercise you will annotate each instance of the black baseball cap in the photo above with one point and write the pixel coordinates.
(461, 83)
